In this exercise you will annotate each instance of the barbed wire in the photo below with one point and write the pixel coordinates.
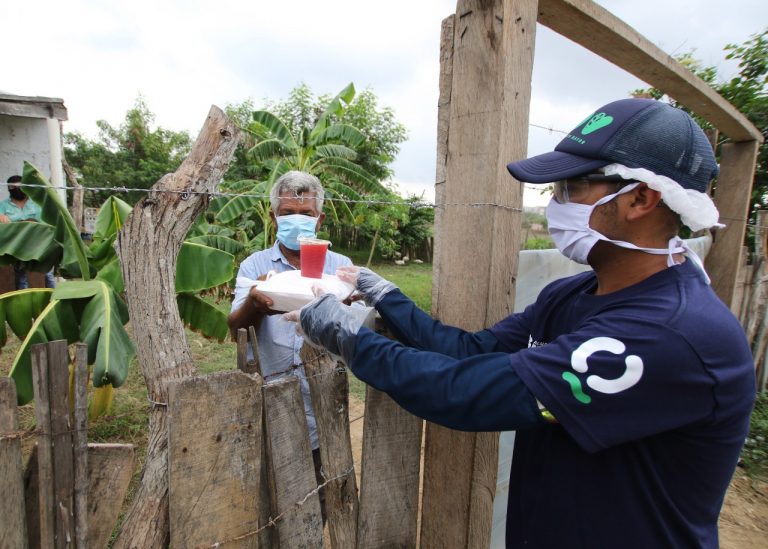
(187, 193)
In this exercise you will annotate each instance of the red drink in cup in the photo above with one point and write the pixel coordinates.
(312, 256)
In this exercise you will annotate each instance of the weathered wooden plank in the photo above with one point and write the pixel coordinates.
(293, 488)
(732, 196)
(253, 365)
(488, 98)
(61, 436)
(601, 32)
(110, 468)
(214, 459)
(329, 386)
(45, 522)
(13, 533)
(242, 349)
(267, 535)
(389, 483)
(81, 446)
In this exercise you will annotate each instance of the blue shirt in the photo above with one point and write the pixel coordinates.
(652, 387)
(279, 344)
(30, 210)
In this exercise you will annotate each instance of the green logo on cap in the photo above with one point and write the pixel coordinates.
(599, 120)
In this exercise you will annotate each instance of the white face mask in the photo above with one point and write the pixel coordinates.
(569, 227)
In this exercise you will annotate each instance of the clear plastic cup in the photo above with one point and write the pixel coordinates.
(312, 256)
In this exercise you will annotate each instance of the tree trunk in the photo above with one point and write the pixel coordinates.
(77, 195)
(148, 246)
(373, 248)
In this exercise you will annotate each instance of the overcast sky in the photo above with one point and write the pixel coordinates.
(185, 55)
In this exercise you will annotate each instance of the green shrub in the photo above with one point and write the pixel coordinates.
(754, 455)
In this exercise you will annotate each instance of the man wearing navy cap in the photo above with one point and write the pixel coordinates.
(629, 386)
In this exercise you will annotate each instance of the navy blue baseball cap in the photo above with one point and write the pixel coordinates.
(638, 133)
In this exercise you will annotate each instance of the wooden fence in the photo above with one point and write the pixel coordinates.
(240, 467)
(750, 303)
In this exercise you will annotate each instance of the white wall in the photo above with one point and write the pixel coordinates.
(21, 139)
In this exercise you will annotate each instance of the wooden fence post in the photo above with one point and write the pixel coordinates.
(732, 196)
(330, 399)
(486, 66)
(293, 488)
(268, 536)
(214, 459)
(13, 533)
(55, 459)
(389, 480)
(81, 445)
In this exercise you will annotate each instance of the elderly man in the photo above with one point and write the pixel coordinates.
(630, 386)
(297, 211)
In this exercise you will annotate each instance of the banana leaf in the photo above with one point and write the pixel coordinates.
(56, 321)
(20, 309)
(276, 127)
(111, 218)
(112, 275)
(101, 327)
(54, 212)
(202, 317)
(31, 243)
(201, 267)
(222, 243)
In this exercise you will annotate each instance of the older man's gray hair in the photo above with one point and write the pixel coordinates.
(296, 183)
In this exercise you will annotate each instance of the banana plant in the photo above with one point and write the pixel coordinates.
(91, 309)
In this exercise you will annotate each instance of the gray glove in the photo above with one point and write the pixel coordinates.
(371, 285)
(328, 323)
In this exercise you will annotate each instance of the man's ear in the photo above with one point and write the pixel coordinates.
(320, 219)
(272, 217)
(644, 201)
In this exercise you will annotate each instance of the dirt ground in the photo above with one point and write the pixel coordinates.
(743, 520)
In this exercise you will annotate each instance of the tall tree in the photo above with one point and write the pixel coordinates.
(132, 155)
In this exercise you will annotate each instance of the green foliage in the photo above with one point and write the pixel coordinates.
(755, 452)
(533, 218)
(747, 91)
(538, 243)
(132, 155)
(375, 146)
(91, 310)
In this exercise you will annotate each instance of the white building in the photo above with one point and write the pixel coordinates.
(30, 129)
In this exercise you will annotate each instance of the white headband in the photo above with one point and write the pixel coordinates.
(696, 209)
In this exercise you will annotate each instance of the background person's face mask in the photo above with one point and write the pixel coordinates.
(16, 193)
(291, 227)
(569, 227)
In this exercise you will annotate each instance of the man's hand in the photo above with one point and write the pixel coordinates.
(371, 285)
(4, 219)
(261, 302)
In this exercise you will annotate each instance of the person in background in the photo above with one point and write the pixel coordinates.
(18, 207)
(296, 201)
(630, 386)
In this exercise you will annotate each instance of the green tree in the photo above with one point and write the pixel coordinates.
(312, 135)
(132, 155)
(747, 91)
